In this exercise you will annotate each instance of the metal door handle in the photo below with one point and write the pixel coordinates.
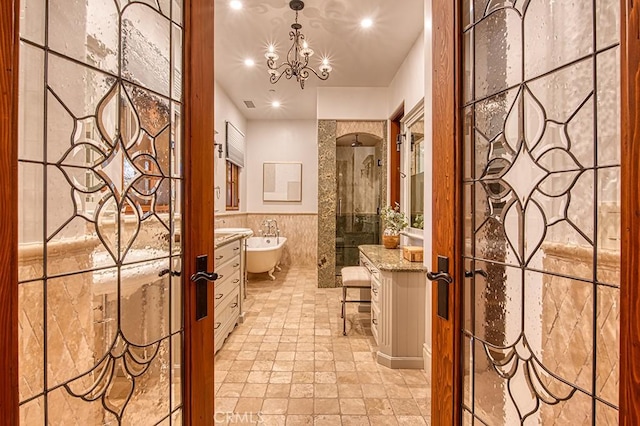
(470, 274)
(202, 275)
(444, 280)
(440, 276)
(169, 271)
(340, 207)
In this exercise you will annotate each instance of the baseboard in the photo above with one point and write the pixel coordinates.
(400, 362)
(426, 356)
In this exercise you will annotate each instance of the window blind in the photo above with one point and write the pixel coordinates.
(235, 144)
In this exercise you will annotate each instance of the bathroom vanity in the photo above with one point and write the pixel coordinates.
(398, 291)
(229, 287)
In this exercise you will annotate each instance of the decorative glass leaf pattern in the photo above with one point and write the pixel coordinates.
(104, 215)
(539, 230)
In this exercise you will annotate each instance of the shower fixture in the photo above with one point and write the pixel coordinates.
(356, 143)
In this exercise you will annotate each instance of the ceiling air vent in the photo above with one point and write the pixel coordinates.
(250, 104)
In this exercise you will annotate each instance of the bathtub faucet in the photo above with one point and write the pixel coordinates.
(269, 228)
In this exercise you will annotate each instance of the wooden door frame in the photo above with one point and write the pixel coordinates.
(630, 228)
(198, 380)
(9, 70)
(395, 129)
(447, 207)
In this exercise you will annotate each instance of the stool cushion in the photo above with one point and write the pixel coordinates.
(355, 276)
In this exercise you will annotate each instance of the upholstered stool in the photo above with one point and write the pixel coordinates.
(353, 277)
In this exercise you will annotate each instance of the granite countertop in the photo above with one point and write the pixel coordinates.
(390, 259)
(222, 239)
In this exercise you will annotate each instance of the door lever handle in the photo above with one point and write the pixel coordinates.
(470, 274)
(202, 275)
(440, 276)
(169, 271)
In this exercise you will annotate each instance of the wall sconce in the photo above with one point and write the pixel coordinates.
(219, 145)
(399, 139)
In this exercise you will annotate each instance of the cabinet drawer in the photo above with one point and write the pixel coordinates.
(375, 291)
(224, 253)
(226, 271)
(375, 322)
(226, 315)
(227, 286)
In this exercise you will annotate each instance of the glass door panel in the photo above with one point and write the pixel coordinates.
(100, 320)
(541, 212)
(358, 195)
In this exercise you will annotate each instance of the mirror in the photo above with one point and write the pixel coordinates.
(415, 135)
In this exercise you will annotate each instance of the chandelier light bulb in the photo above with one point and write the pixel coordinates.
(297, 59)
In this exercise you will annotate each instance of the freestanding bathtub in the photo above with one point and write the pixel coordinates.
(264, 253)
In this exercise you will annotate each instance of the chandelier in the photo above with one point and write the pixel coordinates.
(297, 64)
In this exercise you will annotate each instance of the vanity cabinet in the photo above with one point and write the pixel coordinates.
(229, 288)
(398, 293)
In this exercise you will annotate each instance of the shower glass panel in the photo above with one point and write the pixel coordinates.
(358, 197)
(100, 314)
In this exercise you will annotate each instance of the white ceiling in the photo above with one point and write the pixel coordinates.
(359, 57)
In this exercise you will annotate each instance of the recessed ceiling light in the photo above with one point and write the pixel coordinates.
(275, 104)
(366, 23)
(235, 4)
(249, 62)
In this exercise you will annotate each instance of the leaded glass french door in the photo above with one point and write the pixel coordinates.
(101, 163)
(539, 184)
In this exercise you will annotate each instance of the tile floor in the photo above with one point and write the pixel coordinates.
(289, 364)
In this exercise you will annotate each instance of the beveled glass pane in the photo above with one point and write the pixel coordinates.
(559, 315)
(556, 33)
(150, 399)
(467, 371)
(608, 344)
(176, 370)
(609, 107)
(31, 103)
(30, 224)
(32, 21)
(31, 339)
(606, 415)
(498, 53)
(176, 58)
(469, 298)
(467, 66)
(498, 307)
(607, 23)
(176, 140)
(468, 220)
(145, 48)
(32, 412)
(490, 396)
(176, 214)
(576, 411)
(479, 8)
(468, 141)
(176, 417)
(81, 323)
(609, 226)
(176, 307)
(86, 31)
(144, 302)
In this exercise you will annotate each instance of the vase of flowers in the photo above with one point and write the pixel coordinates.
(393, 221)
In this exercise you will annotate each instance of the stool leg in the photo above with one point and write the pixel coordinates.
(344, 313)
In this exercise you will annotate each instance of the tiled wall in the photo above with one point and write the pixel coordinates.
(300, 229)
(568, 327)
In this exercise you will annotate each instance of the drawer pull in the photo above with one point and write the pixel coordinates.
(236, 281)
(374, 321)
(217, 326)
(219, 296)
(375, 291)
(236, 249)
(235, 265)
(220, 276)
(220, 257)
(235, 305)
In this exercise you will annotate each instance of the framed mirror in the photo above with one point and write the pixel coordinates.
(413, 168)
